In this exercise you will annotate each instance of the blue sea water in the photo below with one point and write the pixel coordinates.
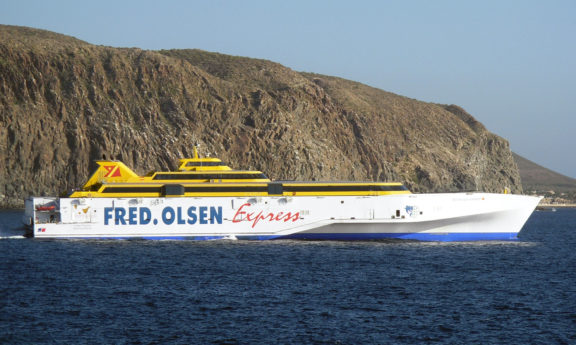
(290, 292)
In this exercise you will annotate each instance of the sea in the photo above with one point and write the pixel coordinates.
(290, 292)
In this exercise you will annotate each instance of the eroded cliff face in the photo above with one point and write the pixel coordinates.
(65, 103)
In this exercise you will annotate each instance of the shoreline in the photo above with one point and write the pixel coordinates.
(556, 206)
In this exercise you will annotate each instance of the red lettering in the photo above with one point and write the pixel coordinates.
(261, 217)
(296, 216)
(255, 218)
(238, 216)
(293, 217)
(278, 216)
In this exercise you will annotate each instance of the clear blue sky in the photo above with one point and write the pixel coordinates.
(510, 63)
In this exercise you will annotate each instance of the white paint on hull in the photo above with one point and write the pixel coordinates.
(328, 217)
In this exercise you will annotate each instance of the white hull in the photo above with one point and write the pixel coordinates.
(444, 217)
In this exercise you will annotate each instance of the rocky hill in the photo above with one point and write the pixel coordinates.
(65, 103)
(540, 179)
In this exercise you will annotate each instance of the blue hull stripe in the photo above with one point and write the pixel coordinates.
(128, 238)
(482, 236)
(446, 237)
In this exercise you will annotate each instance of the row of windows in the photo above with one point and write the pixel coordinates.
(346, 188)
(211, 176)
(205, 164)
(132, 190)
(277, 190)
(186, 189)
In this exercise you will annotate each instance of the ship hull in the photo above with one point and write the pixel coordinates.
(426, 217)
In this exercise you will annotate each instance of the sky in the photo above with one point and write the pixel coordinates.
(509, 63)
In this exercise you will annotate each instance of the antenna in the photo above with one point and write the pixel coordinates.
(196, 146)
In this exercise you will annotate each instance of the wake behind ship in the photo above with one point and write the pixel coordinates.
(206, 199)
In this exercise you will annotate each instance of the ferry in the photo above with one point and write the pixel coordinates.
(205, 199)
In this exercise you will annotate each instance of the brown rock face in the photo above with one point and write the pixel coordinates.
(65, 103)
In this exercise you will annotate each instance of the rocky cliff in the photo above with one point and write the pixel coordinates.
(65, 103)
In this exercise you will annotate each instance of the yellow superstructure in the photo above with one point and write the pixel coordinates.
(203, 177)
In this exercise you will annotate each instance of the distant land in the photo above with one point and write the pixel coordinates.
(537, 179)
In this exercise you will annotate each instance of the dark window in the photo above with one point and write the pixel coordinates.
(275, 189)
(172, 189)
(225, 189)
(132, 190)
(95, 187)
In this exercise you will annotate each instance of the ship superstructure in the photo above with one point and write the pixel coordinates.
(206, 177)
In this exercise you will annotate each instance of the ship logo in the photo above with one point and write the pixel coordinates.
(413, 211)
(113, 171)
